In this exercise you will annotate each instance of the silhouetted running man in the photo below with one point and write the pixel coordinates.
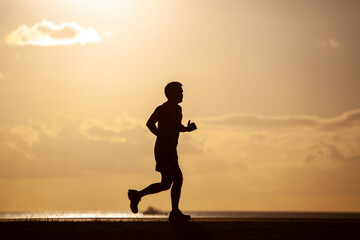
(168, 116)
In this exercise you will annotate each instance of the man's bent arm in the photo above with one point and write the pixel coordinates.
(190, 127)
(183, 128)
(151, 123)
(152, 127)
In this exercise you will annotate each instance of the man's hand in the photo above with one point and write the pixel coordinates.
(191, 126)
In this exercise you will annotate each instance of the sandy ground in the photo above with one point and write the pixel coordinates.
(344, 229)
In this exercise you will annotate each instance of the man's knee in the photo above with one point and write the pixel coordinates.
(166, 185)
(178, 180)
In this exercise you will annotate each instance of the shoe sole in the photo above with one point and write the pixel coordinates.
(180, 220)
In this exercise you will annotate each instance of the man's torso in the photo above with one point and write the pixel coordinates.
(169, 122)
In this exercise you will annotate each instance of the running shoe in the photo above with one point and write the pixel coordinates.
(178, 216)
(134, 198)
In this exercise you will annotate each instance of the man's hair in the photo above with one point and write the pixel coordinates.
(171, 88)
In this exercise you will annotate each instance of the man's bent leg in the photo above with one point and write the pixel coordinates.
(165, 184)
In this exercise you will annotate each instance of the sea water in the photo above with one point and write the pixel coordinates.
(114, 215)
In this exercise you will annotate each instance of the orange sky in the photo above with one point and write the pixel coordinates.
(272, 85)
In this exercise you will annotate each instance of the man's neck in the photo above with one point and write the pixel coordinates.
(172, 103)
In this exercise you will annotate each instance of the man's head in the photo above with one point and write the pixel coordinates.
(174, 92)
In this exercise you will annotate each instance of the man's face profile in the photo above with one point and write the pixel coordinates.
(178, 95)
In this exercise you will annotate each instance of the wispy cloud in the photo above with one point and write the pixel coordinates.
(220, 142)
(71, 146)
(330, 42)
(346, 119)
(333, 43)
(47, 33)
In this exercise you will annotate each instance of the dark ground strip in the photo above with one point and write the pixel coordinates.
(196, 229)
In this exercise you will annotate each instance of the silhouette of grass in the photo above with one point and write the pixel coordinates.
(197, 229)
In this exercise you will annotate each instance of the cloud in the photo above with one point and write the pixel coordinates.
(27, 133)
(71, 146)
(330, 42)
(243, 141)
(1, 75)
(253, 162)
(47, 33)
(246, 120)
(110, 131)
(320, 157)
(347, 119)
(333, 43)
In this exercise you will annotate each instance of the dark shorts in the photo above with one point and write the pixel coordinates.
(167, 162)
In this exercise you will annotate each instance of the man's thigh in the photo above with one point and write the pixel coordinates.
(171, 173)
